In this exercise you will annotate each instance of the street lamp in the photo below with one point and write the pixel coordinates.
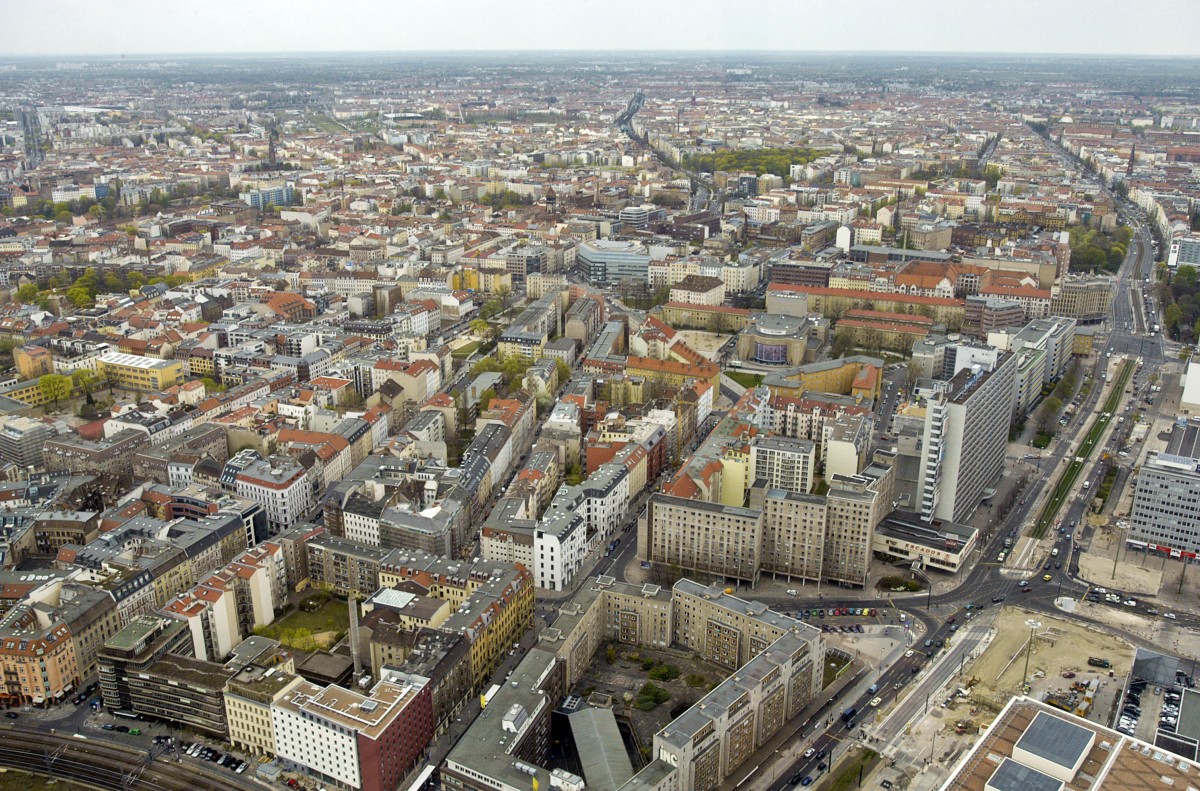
(1033, 627)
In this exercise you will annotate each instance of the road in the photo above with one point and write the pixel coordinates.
(987, 584)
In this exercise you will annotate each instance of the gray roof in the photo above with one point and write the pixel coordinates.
(1013, 776)
(1056, 740)
(602, 753)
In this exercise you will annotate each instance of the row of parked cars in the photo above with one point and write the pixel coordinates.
(836, 612)
(855, 628)
(206, 753)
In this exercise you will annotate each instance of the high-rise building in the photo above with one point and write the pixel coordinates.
(964, 439)
(21, 441)
(1164, 513)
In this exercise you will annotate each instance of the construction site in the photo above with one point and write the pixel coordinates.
(1048, 658)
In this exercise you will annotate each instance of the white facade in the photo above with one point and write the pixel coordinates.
(285, 502)
(309, 740)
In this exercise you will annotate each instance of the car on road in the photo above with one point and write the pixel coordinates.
(810, 752)
(807, 780)
(12, 715)
(1169, 615)
(875, 702)
(908, 654)
(795, 779)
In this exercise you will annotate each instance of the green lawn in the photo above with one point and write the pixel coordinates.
(848, 776)
(466, 350)
(833, 665)
(296, 629)
(1042, 441)
(746, 380)
(1071, 474)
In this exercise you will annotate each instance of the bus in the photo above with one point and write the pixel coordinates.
(423, 779)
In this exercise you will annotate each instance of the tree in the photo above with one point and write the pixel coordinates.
(480, 327)
(504, 294)
(85, 380)
(27, 294)
(54, 387)
(79, 297)
(211, 385)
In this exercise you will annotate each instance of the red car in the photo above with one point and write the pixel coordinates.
(1068, 674)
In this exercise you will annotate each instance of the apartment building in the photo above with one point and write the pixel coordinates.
(702, 537)
(964, 438)
(782, 532)
(490, 602)
(777, 671)
(281, 485)
(783, 463)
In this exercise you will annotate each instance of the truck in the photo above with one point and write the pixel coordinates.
(1099, 661)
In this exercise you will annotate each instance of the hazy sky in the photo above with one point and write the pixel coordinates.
(87, 27)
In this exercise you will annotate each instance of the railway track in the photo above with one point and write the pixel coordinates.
(105, 765)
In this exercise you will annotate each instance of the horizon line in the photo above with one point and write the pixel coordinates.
(76, 55)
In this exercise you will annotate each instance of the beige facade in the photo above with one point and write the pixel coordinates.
(1083, 297)
(248, 699)
(703, 537)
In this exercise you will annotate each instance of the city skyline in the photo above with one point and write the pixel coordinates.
(932, 26)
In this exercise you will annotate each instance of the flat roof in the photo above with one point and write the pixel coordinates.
(1056, 740)
(606, 765)
(1013, 776)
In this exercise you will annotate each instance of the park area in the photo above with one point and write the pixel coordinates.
(319, 621)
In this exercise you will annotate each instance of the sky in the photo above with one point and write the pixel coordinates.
(137, 27)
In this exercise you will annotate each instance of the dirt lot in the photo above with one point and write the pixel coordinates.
(1061, 646)
(1135, 573)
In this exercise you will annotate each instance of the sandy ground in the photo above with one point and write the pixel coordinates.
(1061, 646)
(707, 343)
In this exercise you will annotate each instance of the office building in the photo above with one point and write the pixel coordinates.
(281, 485)
(142, 374)
(1085, 297)
(1165, 516)
(608, 262)
(112, 455)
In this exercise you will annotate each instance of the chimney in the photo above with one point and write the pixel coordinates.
(352, 603)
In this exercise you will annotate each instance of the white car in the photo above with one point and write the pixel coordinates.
(908, 654)
(1169, 615)
(810, 752)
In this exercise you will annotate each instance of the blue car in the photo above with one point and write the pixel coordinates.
(807, 781)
